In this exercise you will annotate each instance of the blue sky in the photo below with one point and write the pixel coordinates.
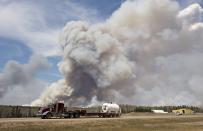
(30, 27)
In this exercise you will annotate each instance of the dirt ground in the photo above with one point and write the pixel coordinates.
(133, 121)
(82, 119)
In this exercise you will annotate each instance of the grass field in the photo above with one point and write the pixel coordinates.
(130, 122)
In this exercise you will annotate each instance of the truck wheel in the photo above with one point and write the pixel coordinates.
(48, 116)
(43, 117)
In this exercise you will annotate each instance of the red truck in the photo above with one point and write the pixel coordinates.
(58, 110)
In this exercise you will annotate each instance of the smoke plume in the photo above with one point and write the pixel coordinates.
(149, 52)
(15, 74)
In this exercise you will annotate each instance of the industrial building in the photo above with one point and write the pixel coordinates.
(183, 111)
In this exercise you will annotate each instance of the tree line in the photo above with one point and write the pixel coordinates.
(134, 108)
(17, 111)
(27, 111)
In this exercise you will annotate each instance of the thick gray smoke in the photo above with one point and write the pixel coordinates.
(149, 52)
(15, 74)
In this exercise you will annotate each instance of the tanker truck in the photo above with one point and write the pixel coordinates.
(58, 110)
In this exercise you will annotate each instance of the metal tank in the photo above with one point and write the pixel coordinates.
(111, 108)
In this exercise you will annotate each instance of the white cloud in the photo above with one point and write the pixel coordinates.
(29, 24)
(26, 23)
(81, 13)
(191, 14)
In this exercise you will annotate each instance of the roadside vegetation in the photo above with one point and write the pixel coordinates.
(26, 111)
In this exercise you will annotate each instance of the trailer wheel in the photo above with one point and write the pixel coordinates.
(77, 115)
(67, 115)
(71, 115)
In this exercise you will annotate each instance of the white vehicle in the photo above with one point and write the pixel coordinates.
(111, 109)
(159, 111)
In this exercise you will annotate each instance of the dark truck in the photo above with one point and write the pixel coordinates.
(58, 110)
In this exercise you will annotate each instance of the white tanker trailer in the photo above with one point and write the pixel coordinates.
(111, 109)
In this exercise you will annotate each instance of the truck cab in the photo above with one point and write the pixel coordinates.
(53, 110)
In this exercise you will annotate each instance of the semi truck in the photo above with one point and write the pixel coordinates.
(58, 110)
